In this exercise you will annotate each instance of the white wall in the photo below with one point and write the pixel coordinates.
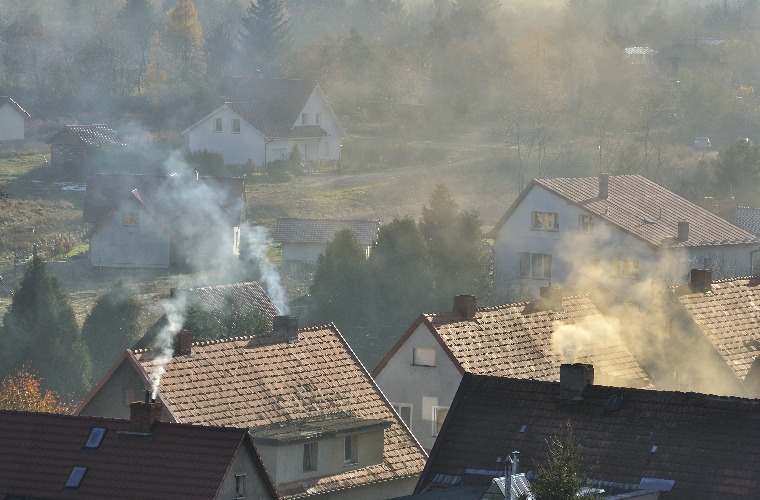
(235, 148)
(328, 147)
(11, 124)
(421, 386)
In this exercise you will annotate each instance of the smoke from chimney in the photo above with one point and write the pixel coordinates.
(256, 241)
(571, 340)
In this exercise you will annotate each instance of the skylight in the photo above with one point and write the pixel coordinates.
(96, 436)
(75, 477)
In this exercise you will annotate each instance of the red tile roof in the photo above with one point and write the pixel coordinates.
(7, 100)
(323, 230)
(260, 381)
(729, 316)
(515, 340)
(90, 135)
(39, 450)
(643, 209)
(707, 445)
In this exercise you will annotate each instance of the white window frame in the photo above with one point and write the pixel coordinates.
(585, 223)
(535, 265)
(544, 221)
(435, 430)
(397, 408)
(423, 356)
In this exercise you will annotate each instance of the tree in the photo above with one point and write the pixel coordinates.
(40, 329)
(265, 37)
(737, 172)
(21, 391)
(561, 479)
(112, 326)
(137, 22)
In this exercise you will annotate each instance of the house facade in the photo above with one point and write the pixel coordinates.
(261, 120)
(623, 233)
(321, 425)
(12, 120)
(525, 340)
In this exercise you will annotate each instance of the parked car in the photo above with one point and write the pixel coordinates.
(702, 142)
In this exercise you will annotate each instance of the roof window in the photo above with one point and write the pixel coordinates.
(95, 437)
(75, 477)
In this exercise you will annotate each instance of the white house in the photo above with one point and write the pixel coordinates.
(529, 340)
(611, 231)
(262, 119)
(12, 120)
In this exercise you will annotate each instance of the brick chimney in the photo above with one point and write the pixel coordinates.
(183, 343)
(465, 306)
(683, 230)
(285, 327)
(142, 414)
(574, 379)
(701, 280)
(604, 186)
(550, 298)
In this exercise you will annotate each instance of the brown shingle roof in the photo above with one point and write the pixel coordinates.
(643, 209)
(39, 450)
(260, 381)
(515, 340)
(90, 135)
(323, 230)
(7, 100)
(729, 316)
(706, 444)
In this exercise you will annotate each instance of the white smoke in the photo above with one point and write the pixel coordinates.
(568, 340)
(256, 240)
(174, 310)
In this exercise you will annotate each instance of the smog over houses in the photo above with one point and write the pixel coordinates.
(427, 192)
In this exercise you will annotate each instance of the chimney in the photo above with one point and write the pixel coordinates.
(466, 306)
(701, 280)
(573, 380)
(285, 327)
(183, 343)
(683, 230)
(550, 298)
(142, 414)
(604, 186)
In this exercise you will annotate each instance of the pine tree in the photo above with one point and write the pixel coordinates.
(112, 326)
(562, 479)
(40, 329)
(266, 35)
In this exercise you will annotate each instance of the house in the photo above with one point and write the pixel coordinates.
(153, 221)
(262, 119)
(646, 443)
(75, 147)
(623, 233)
(12, 120)
(51, 456)
(303, 240)
(250, 295)
(523, 340)
(319, 422)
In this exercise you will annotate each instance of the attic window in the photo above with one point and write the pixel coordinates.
(318, 119)
(130, 218)
(304, 118)
(217, 125)
(423, 356)
(350, 450)
(310, 451)
(96, 436)
(75, 477)
(236, 125)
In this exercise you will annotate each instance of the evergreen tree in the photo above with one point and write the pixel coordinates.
(562, 479)
(40, 329)
(137, 23)
(266, 35)
(233, 320)
(112, 326)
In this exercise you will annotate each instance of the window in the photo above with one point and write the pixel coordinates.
(423, 356)
(439, 415)
(310, 456)
(585, 223)
(236, 125)
(95, 437)
(318, 118)
(350, 450)
(624, 268)
(75, 477)
(130, 218)
(239, 486)
(535, 265)
(217, 125)
(545, 221)
(304, 118)
(405, 412)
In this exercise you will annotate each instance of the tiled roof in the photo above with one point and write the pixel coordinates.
(747, 219)
(323, 230)
(261, 381)
(7, 100)
(39, 450)
(703, 446)
(171, 197)
(729, 316)
(91, 135)
(269, 121)
(641, 51)
(212, 298)
(643, 209)
(515, 340)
